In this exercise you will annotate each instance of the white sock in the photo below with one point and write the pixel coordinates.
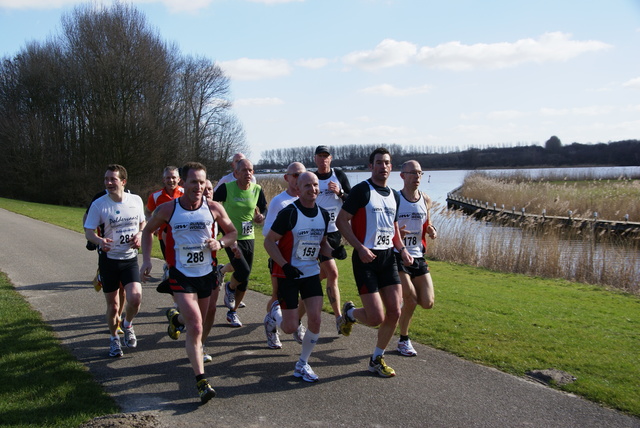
(308, 343)
(377, 352)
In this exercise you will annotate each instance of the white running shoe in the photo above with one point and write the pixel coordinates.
(233, 319)
(229, 297)
(406, 348)
(298, 335)
(115, 349)
(206, 357)
(305, 372)
(271, 331)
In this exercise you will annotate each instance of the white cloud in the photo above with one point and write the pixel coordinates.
(505, 114)
(255, 69)
(577, 111)
(392, 91)
(633, 83)
(388, 53)
(313, 63)
(547, 48)
(250, 102)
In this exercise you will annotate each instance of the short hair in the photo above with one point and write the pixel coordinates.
(378, 151)
(196, 166)
(170, 168)
(237, 167)
(405, 163)
(122, 171)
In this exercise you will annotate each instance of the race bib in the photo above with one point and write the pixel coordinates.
(122, 238)
(247, 228)
(383, 239)
(308, 250)
(192, 255)
(333, 213)
(411, 239)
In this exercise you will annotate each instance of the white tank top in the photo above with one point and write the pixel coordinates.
(381, 213)
(329, 200)
(414, 216)
(188, 231)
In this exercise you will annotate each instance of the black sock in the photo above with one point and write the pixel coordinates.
(175, 321)
(200, 377)
(404, 338)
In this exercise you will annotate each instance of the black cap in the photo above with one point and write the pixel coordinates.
(322, 149)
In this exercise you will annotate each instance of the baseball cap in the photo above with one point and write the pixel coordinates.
(322, 149)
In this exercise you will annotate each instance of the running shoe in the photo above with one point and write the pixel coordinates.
(173, 331)
(242, 305)
(229, 297)
(220, 274)
(97, 281)
(305, 372)
(205, 390)
(298, 335)
(115, 349)
(378, 366)
(338, 324)
(130, 339)
(206, 357)
(233, 319)
(271, 331)
(165, 272)
(346, 323)
(406, 348)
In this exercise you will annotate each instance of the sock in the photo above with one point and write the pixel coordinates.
(127, 324)
(200, 377)
(404, 338)
(277, 315)
(308, 343)
(115, 337)
(175, 321)
(350, 314)
(377, 352)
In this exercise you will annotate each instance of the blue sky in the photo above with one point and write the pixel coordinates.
(453, 73)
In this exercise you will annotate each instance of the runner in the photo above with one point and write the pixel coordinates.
(334, 189)
(368, 220)
(122, 217)
(295, 241)
(414, 222)
(191, 245)
(246, 204)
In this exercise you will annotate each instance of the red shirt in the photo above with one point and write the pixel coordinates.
(159, 198)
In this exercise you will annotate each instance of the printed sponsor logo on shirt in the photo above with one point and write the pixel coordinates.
(199, 225)
(310, 232)
(117, 220)
(181, 226)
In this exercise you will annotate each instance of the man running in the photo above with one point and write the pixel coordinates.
(193, 223)
(414, 222)
(295, 241)
(280, 201)
(246, 204)
(368, 220)
(334, 189)
(121, 217)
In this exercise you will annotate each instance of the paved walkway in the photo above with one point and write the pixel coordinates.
(255, 386)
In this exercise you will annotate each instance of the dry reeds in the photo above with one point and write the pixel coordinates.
(611, 199)
(576, 254)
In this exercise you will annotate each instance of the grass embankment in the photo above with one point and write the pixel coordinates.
(512, 322)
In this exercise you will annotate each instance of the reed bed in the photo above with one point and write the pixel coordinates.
(615, 199)
(575, 254)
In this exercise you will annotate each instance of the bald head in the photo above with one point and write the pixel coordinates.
(308, 189)
(291, 177)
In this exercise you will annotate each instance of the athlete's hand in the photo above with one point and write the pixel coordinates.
(106, 244)
(291, 272)
(236, 251)
(407, 259)
(258, 218)
(431, 231)
(145, 271)
(366, 255)
(137, 241)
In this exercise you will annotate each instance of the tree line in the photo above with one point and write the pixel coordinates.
(554, 154)
(108, 89)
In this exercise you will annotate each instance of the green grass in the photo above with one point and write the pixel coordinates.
(512, 322)
(41, 383)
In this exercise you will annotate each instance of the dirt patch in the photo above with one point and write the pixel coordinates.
(123, 420)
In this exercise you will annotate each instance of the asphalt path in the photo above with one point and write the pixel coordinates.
(255, 387)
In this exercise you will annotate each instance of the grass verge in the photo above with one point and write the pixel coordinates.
(512, 322)
(41, 383)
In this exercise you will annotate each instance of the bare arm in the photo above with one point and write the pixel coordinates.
(271, 246)
(344, 226)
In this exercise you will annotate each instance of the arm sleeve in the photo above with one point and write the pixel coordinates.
(287, 217)
(344, 181)
(262, 202)
(220, 195)
(358, 198)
